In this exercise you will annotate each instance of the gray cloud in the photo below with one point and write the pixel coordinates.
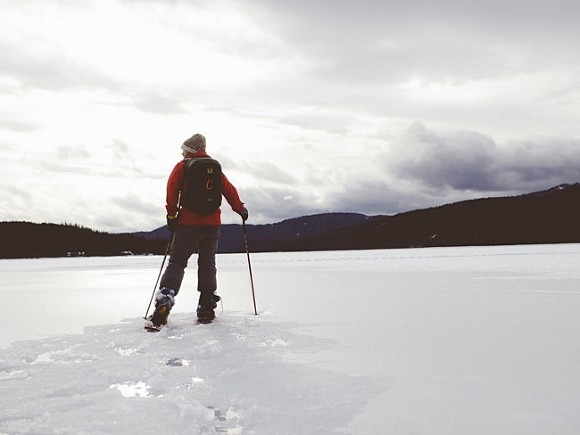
(160, 102)
(91, 169)
(128, 212)
(370, 196)
(134, 204)
(13, 196)
(377, 40)
(271, 204)
(267, 172)
(358, 57)
(62, 167)
(68, 152)
(471, 161)
(18, 126)
(316, 121)
(46, 67)
(120, 149)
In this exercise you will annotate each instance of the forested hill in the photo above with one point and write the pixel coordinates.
(550, 216)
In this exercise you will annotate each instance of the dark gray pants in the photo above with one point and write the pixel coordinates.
(187, 241)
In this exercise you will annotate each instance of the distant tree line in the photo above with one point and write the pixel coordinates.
(29, 240)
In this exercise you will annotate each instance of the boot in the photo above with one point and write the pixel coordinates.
(205, 307)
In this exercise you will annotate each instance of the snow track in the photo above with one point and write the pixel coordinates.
(236, 376)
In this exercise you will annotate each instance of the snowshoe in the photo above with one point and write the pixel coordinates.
(149, 327)
(159, 317)
(165, 299)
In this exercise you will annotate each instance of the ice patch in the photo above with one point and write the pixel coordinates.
(13, 374)
(125, 351)
(275, 342)
(139, 389)
(62, 356)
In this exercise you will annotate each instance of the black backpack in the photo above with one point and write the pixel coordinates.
(203, 185)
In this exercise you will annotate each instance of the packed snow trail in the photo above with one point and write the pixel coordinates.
(239, 375)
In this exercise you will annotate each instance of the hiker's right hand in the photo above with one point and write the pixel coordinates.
(244, 214)
(171, 223)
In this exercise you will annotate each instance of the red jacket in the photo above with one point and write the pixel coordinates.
(187, 217)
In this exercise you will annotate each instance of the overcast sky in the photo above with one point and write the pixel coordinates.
(312, 106)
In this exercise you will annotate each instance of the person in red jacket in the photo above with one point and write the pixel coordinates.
(192, 232)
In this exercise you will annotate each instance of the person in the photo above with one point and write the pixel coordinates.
(192, 232)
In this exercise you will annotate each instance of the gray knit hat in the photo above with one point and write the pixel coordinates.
(194, 144)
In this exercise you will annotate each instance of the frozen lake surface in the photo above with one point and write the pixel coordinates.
(479, 340)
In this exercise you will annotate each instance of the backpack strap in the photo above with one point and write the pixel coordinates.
(181, 185)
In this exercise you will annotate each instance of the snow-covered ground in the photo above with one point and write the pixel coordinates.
(481, 340)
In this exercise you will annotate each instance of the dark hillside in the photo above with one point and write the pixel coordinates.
(551, 216)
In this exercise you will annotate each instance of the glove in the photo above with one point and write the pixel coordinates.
(244, 214)
(171, 223)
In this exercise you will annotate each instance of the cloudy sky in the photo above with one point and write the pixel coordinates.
(370, 106)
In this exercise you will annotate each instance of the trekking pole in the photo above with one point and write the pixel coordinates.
(249, 266)
(159, 276)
